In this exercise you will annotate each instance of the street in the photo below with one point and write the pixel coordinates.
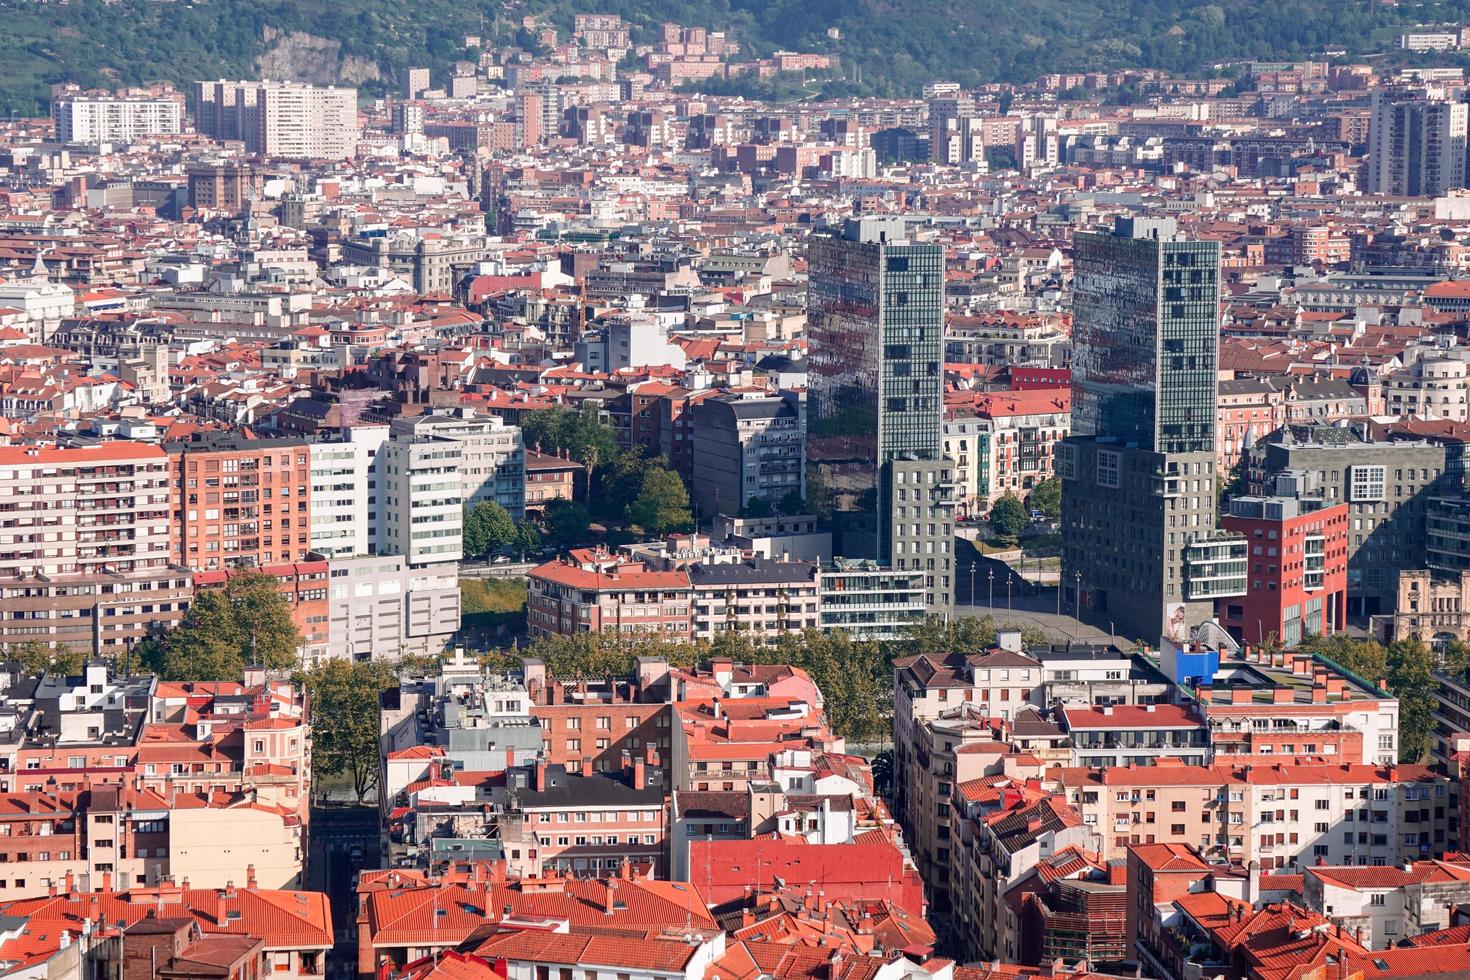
(335, 831)
(995, 589)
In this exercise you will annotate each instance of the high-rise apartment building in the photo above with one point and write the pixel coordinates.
(105, 117)
(84, 546)
(1138, 474)
(415, 83)
(1416, 146)
(344, 492)
(875, 401)
(420, 501)
(748, 447)
(492, 462)
(239, 501)
(280, 119)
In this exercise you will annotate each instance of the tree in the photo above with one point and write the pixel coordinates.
(662, 503)
(758, 507)
(883, 773)
(1411, 678)
(567, 522)
(35, 656)
(792, 503)
(474, 541)
(487, 526)
(344, 715)
(581, 434)
(1046, 497)
(1008, 517)
(619, 483)
(246, 622)
(527, 539)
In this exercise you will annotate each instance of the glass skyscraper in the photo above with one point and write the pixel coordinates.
(1145, 335)
(875, 405)
(1138, 473)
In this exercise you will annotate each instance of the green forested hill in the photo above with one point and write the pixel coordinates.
(898, 44)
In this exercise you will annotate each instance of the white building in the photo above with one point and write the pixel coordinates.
(1431, 388)
(280, 119)
(492, 463)
(344, 489)
(380, 608)
(92, 117)
(43, 302)
(420, 502)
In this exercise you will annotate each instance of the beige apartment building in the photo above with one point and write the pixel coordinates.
(1281, 815)
(280, 119)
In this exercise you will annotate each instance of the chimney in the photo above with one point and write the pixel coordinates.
(540, 776)
(249, 876)
(107, 881)
(586, 765)
(1282, 695)
(230, 889)
(1319, 694)
(71, 883)
(650, 754)
(640, 774)
(607, 896)
(1241, 695)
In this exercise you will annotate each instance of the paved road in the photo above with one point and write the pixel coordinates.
(998, 590)
(334, 833)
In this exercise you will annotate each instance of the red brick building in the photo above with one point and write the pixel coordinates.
(1297, 569)
(237, 500)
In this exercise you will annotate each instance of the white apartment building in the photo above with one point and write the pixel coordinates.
(93, 118)
(1432, 387)
(344, 488)
(492, 463)
(83, 510)
(380, 608)
(280, 119)
(420, 502)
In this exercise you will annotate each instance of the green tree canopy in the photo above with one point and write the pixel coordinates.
(246, 622)
(487, 526)
(792, 503)
(567, 522)
(580, 433)
(344, 716)
(1046, 497)
(662, 503)
(35, 656)
(1008, 517)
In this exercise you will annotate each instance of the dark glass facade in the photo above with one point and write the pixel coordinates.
(1145, 333)
(875, 324)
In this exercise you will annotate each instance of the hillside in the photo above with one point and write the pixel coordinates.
(898, 44)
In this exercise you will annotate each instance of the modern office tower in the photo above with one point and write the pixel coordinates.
(104, 117)
(875, 313)
(1138, 474)
(1416, 146)
(280, 119)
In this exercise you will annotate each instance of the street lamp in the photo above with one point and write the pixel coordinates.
(972, 584)
(1078, 596)
(1009, 579)
(990, 576)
